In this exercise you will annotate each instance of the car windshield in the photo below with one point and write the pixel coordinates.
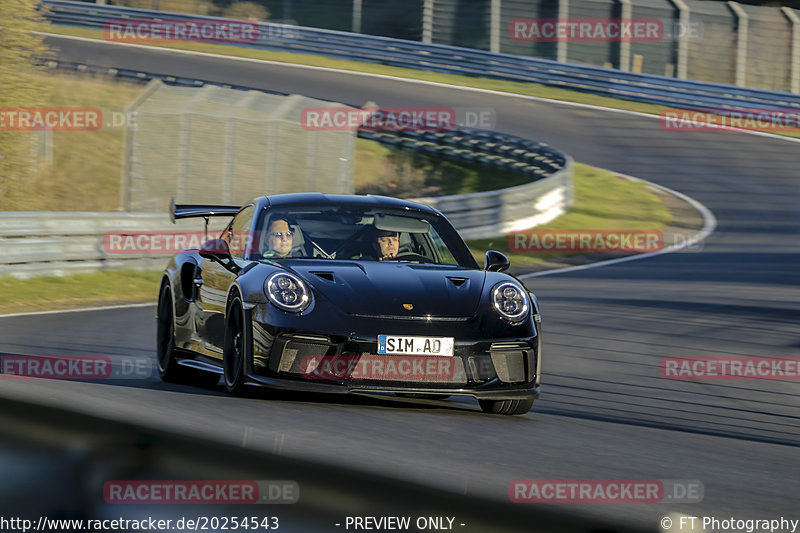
(358, 233)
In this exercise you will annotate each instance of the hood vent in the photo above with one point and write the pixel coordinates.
(458, 282)
(324, 275)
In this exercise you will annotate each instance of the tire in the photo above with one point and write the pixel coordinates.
(506, 407)
(235, 349)
(168, 368)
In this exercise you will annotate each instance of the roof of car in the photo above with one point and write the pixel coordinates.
(316, 198)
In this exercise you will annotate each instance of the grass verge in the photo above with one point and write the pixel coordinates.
(79, 290)
(602, 201)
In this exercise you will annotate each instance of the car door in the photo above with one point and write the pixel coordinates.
(216, 281)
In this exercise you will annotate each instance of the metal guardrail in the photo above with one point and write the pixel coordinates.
(646, 88)
(489, 214)
(55, 244)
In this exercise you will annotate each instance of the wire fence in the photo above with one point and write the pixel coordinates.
(224, 146)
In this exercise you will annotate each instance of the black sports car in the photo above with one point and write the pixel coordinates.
(347, 294)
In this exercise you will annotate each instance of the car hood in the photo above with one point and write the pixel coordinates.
(376, 288)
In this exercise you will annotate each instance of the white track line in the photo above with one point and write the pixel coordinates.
(411, 80)
(106, 308)
(709, 225)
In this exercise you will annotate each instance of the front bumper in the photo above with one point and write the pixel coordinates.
(497, 369)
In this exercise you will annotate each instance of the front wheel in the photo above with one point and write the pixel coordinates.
(234, 353)
(506, 407)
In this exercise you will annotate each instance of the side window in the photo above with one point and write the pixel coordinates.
(239, 235)
(442, 254)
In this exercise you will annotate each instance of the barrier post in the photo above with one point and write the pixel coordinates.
(794, 65)
(741, 42)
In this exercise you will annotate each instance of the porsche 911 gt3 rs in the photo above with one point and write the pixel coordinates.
(347, 294)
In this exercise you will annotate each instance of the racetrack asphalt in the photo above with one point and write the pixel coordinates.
(605, 412)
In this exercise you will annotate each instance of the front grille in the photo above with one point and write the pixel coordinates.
(425, 318)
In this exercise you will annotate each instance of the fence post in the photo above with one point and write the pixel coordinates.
(228, 149)
(568, 171)
(561, 43)
(271, 157)
(277, 115)
(741, 42)
(427, 22)
(128, 142)
(625, 44)
(682, 66)
(345, 178)
(185, 144)
(494, 28)
(357, 16)
(44, 147)
(794, 67)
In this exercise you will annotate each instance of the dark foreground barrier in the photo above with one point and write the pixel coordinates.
(57, 464)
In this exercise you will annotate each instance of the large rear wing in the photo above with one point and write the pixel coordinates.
(198, 211)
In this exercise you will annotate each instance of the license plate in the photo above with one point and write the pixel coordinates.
(412, 345)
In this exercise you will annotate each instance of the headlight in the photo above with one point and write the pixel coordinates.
(510, 301)
(287, 291)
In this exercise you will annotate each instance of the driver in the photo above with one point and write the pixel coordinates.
(279, 238)
(386, 244)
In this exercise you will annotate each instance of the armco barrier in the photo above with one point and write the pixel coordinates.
(457, 60)
(54, 244)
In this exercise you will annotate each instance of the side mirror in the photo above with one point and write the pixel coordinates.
(218, 250)
(495, 262)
